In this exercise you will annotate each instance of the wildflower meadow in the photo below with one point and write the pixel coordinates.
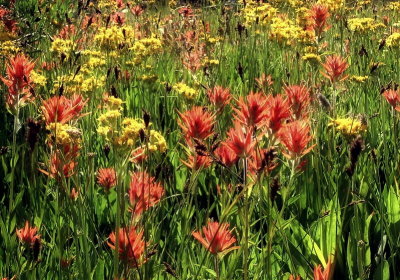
(209, 139)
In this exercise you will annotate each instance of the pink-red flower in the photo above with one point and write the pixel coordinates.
(253, 110)
(320, 274)
(299, 100)
(144, 192)
(393, 97)
(240, 140)
(334, 67)
(319, 16)
(219, 96)
(278, 111)
(18, 81)
(61, 109)
(107, 178)
(295, 137)
(226, 155)
(130, 246)
(27, 234)
(197, 162)
(217, 237)
(196, 123)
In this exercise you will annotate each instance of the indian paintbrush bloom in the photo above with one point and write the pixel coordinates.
(393, 97)
(144, 192)
(334, 67)
(226, 155)
(196, 123)
(197, 162)
(278, 111)
(18, 81)
(61, 109)
(240, 140)
(107, 178)
(299, 100)
(27, 234)
(219, 96)
(319, 15)
(130, 246)
(217, 237)
(295, 137)
(253, 110)
(319, 274)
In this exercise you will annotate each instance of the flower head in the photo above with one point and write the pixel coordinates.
(319, 15)
(130, 246)
(240, 140)
(198, 162)
(107, 178)
(217, 237)
(393, 97)
(252, 111)
(334, 67)
(299, 100)
(144, 192)
(219, 96)
(61, 109)
(27, 234)
(278, 111)
(196, 123)
(319, 274)
(295, 137)
(226, 155)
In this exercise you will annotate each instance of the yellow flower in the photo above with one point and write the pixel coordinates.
(38, 79)
(146, 47)
(393, 40)
(312, 58)
(363, 24)
(349, 126)
(359, 79)
(333, 5)
(262, 13)
(63, 134)
(186, 91)
(8, 48)
(157, 142)
(114, 36)
(62, 46)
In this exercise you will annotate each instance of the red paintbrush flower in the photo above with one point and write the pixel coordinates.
(299, 100)
(18, 81)
(137, 10)
(322, 275)
(240, 140)
(393, 97)
(61, 109)
(219, 96)
(63, 162)
(278, 111)
(262, 160)
(197, 162)
(217, 237)
(334, 67)
(27, 234)
(186, 12)
(264, 81)
(291, 277)
(252, 111)
(226, 155)
(144, 192)
(196, 123)
(107, 178)
(130, 246)
(295, 136)
(319, 16)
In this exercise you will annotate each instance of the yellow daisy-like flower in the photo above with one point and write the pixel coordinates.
(363, 24)
(185, 90)
(157, 142)
(359, 79)
(393, 40)
(38, 79)
(349, 126)
(62, 46)
(63, 134)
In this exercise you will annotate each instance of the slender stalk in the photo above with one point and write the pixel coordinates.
(246, 225)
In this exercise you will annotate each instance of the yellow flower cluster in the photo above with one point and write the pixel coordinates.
(114, 36)
(261, 13)
(395, 6)
(62, 46)
(185, 90)
(63, 134)
(38, 79)
(332, 5)
(146, 47)
(312, 58)
(359, 79)
(363, 24)
(210, 62)
(8, 48)
(79, 83)
(157, 142)
(287, 32)
(348, 126)
(393, 40)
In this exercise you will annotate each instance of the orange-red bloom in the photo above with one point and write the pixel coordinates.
(323, 275)
(226, 155)
(299, 100)
(27, 234)
(144, 192)
(393, 97)
(252, 111)
(295, 136)
(334, 67)
(240, 140)
(319, 16)
(292, 277)
(219, 96)
(18, 81)
(217, 237)
(61, 109)
(107, 178)
(278, 111)
(130, 246)
(196, 123)
(63, 162)
(197, 162)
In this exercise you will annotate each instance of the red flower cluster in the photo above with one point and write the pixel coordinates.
(130, 246)
(107, 178)
(18, 81)
(196, 123)
(319, 16)
(144, 192)
(217, 237)
(27, 234)
(393, 97)
(59, 109)
(334, 67)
